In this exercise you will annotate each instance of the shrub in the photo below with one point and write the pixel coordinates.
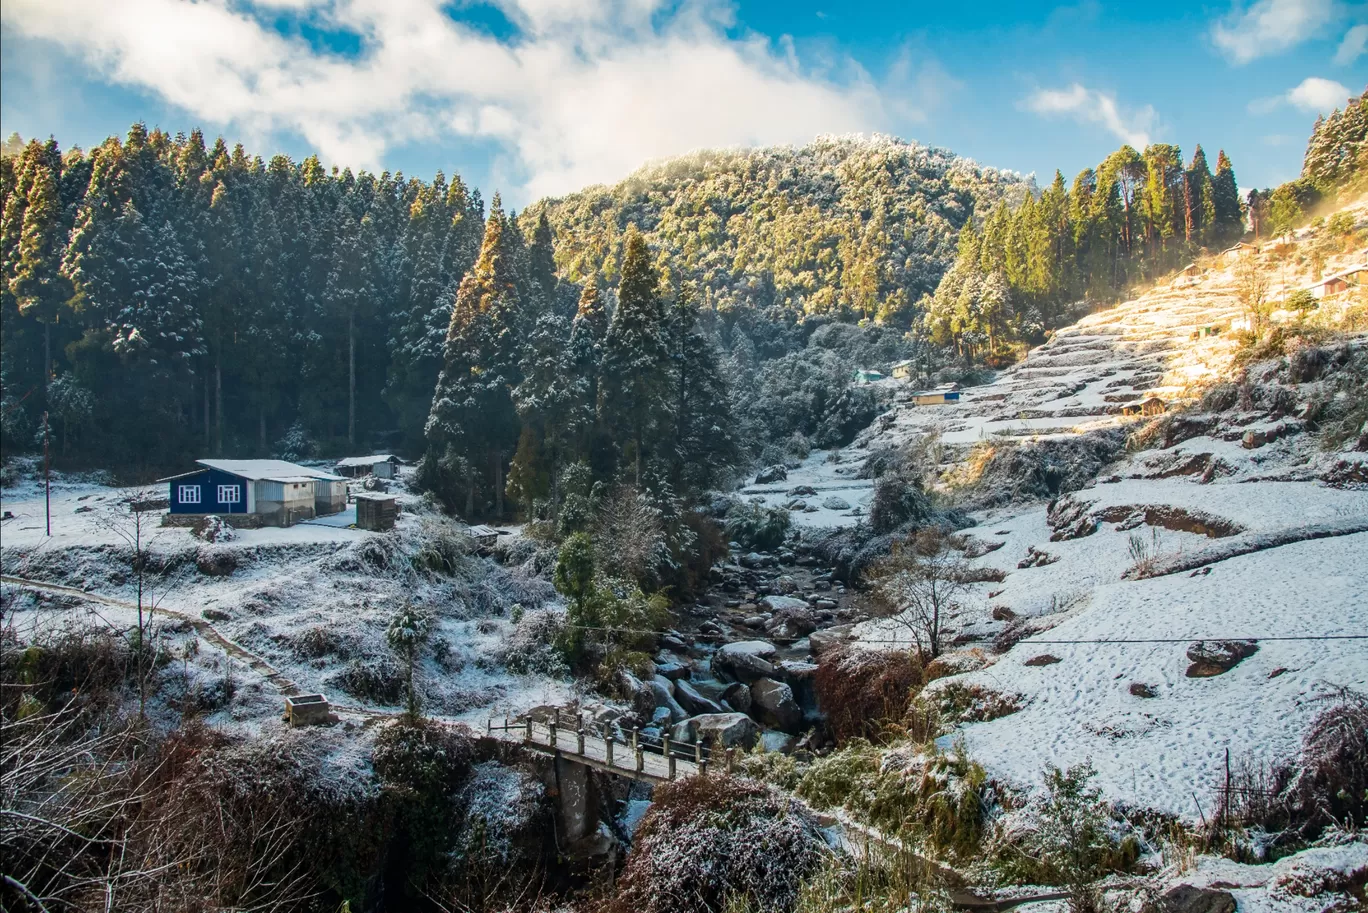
(898, 499)
(1331, 785)
(861, 691)
(378, 679)
(441, 547)
(710, 844)
(422, 756)
(754, 526)
(534, 648)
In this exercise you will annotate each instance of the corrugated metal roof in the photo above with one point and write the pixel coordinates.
(273, 470)
(368, 460)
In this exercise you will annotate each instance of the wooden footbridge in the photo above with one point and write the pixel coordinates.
(640, 756)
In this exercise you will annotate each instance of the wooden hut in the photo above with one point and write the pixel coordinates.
(376, 512)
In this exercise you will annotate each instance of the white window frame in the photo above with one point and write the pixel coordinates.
(189, 494)
(230, 494)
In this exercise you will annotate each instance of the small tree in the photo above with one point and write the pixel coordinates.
(407, 633)
(139, 527)
(1071, 832)
(1302, 302)
(920, 586)
(1251, 287)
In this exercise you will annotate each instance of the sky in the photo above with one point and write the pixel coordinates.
(542, 97)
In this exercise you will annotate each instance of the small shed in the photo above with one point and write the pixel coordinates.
(903, 370)
(376, 512)
(867, 376)
(1150, 405)
(1235, 252)
(484, 536)
(382, 465)
(936, 397)
(1339, 282)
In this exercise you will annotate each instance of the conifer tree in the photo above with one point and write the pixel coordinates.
(635, 360)
(703, 445)
(38, 286)
(1225, 200)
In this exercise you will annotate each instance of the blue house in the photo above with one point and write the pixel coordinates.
(273, 492)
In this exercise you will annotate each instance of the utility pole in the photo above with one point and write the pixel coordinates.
(47, 478)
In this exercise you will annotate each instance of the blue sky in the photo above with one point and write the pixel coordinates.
(543, 96)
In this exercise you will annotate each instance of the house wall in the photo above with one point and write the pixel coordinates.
(329, 497)
(285, 503)
(205, 492)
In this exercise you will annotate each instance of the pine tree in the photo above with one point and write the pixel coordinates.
(703, 445)
(1198, 192)
(635, 360)
(472, 418)
(38, 286)
(544, 400)
(1225, 201)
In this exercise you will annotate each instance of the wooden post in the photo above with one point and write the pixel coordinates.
(698, 752)
(635, 749)
(554, 743)
(608, 742)
(640, 759)
(665, 741)
(580, 740)
(529, 729)
(729, 760)
(489, 727)
(672, 766)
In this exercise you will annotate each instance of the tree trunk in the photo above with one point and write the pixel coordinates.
(208, 439)
(47, 358)
(218, 405)
(1187, 209)
(351, 378)
(261, 428)
(498, 487)
(470, 496)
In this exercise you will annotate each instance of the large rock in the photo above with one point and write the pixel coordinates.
(1213, 657)
(695, 703)
(745, 661)
(639, 695)
(773, 703)
(664, 698)
(729, 730)
(1186, 898)
(671, 669)
(781, 603)
(836, 503)
(771, 474)
(785, 583)
(820, 642)
(737, 696)
(802, 678)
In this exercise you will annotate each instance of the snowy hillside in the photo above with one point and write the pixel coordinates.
(1176, 541)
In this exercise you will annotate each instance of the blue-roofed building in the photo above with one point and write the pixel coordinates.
(266, 492)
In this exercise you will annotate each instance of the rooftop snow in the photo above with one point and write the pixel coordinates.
(366, 460)
(275, 470)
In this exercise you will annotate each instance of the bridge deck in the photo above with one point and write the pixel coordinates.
(614, 756)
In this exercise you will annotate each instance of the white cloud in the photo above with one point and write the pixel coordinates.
(1270, 26)
(586, 92)
(1096, 107)
(1313, 94)
(1352, 47)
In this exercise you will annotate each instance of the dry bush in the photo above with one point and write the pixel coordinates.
(1330, 787)
(861, 691)
(709, 843)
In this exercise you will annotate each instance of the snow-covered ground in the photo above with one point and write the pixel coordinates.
(1158, 751)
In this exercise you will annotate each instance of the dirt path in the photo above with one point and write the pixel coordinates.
(203, 628)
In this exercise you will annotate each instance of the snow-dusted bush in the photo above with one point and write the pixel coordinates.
(379, 679)
(711, 842)
(898, 500)
(534, 647)
(213, 529)
(440, 546)
(1330, 785)
(423, 756)
(756, 526)
(861, 691)
(505, 812)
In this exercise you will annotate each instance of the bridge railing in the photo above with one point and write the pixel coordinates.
(646, 753)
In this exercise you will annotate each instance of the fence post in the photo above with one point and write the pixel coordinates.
(529, 728)
(555, 743)
(729, 760)
(489, 727)
(635, 748)
(608, 741)
(672, 766)
(665, 742)
(640, 759)
(580, 740)
(698, 752)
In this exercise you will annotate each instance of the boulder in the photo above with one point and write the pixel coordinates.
(773, 703)
(1213, 657)
(783, 603)
(1186, 898)
(695, 703)
(215, 562)
(784, 583)
(671, 669)
(639, 695)
(771, 474)
(835, 503)
(802, 491)
(745, 661)
(796, 504)
(659, 720)
(664, 698)
(684, 732)
(737, 696)
(801, 677)
(1140, 689)
(729, 730)
(1044, 659)
(820, 642)
(752, 560)
(754, 621)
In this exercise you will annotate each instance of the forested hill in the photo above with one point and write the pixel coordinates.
(845, 226)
